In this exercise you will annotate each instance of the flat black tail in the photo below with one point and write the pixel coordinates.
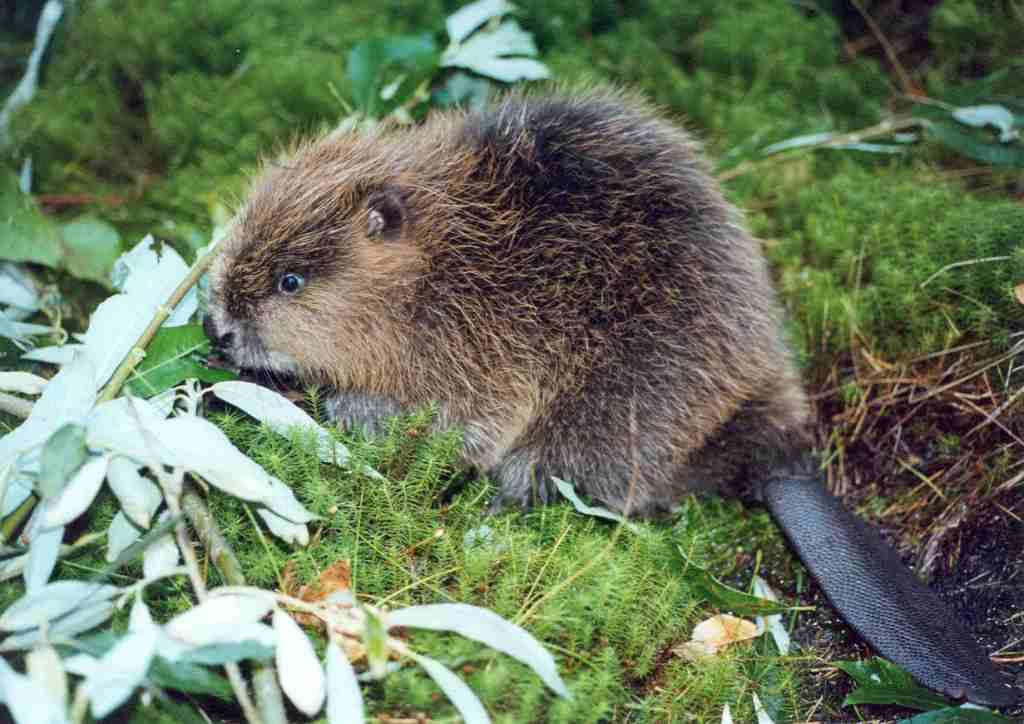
(879, 597)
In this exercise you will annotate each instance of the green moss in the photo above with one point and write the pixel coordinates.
(612, 628)
(869, 253)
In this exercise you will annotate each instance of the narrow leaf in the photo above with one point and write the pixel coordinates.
(302, 676)
(726, 597)
(57, 355)
(26, 700)
(773, 622)
(139, 496)
(569, 493)
(24, 383)
(79, 493)
(291, 533)
(470, 17)
(43, 549)
(162, 556)
(488, 628)
(82, 619)
(218, 618)
(281, 415)
(455, 689)
(52, 601)
(62, 455)
(999, 117)
(120, 672)
(344, 698)
(43, 666)
(996, 154)
(250, 641)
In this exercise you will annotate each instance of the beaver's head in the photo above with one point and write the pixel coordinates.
(317, 262)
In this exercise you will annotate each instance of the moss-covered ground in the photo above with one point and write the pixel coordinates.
(898, 274)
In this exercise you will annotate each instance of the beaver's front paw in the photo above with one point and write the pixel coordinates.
(360, 411)
(523, 481)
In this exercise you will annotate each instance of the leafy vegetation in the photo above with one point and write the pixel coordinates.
(887, 249)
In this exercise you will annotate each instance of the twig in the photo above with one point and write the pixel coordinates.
(264, 678)
(124, 370)
(15, 405)
(890, 52)
(188, 553)
(966, 262)
(26, 88)
(886, 127)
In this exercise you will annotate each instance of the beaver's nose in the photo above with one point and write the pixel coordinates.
(216, 336)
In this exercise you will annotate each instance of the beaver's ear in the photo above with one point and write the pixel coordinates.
(386, 214)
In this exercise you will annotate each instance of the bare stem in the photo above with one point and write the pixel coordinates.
(137, 353)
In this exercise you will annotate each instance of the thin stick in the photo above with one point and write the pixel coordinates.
(890, 52)
(967, 262)
(137, 353)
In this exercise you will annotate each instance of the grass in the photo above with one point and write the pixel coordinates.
(151, 113)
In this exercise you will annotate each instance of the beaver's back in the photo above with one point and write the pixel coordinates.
(584, 247)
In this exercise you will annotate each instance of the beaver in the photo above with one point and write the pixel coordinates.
(560, 275)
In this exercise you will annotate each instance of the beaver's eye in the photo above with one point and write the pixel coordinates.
(291, 283)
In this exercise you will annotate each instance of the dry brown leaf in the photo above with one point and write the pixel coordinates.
(714, 634)
(336, 577)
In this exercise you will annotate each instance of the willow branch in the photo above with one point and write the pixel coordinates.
(884, 128)
(137, 352)
(264, 678)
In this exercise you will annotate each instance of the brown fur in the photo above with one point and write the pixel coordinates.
(564, 279)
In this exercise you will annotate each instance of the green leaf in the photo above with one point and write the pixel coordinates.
(569, 493)
(489, 52)
(86, 247)
(62, 455)
(136, 549)
(470, 17)
(415, 56)
(178, 675)
(226, 653)
(996, 154)
(463, 89)
(988, 114)
(165, 709)
(726, 597)
(91, 247)
(173, 356)
(958, 715)
(190, 678)
(882, 682)
(25, 234)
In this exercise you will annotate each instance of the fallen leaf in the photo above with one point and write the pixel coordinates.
(336, 578)
(714, 634)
